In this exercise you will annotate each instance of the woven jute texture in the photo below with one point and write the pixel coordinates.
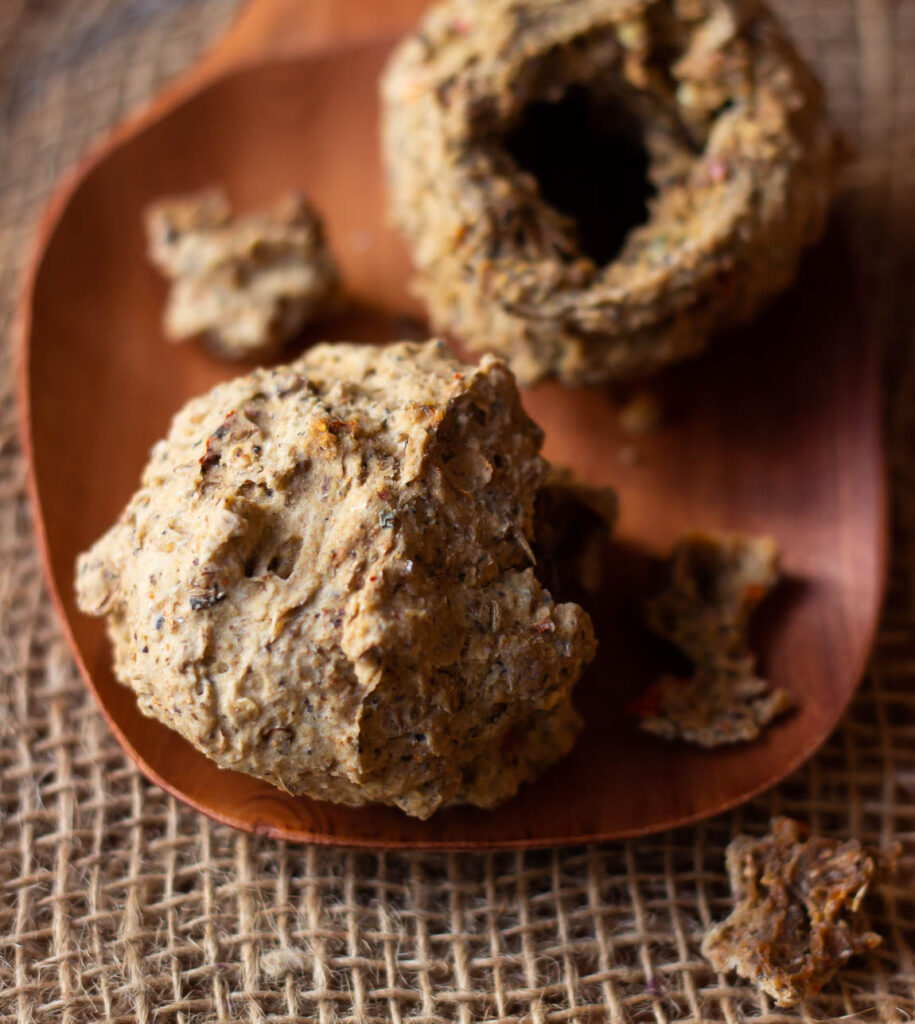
(118, 904)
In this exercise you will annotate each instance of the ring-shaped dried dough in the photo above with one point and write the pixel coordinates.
(740, 155)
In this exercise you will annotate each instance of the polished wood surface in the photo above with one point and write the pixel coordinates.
(776, 430)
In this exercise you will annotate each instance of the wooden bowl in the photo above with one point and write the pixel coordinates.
(776, 431)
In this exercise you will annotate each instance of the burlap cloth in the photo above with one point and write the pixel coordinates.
(118, 904)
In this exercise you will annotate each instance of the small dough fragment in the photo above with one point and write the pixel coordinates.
(248, 284)
(799, 913)
(710, 709)
(641, 415)
(326, 580)
(716, 582)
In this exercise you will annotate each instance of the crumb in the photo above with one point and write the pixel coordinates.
(247, 284)
(715, 583)
(710, 709)
(799, 914)
(629, 455)
(641, 415)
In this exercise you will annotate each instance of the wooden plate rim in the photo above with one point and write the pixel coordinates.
(174, 96)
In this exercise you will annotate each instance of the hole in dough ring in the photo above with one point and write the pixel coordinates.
(740, 173)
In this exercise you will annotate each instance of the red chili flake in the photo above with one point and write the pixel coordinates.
(718, 171)
(223, 427)
(209, 457)
(547, 626)
(649, 703)
(342, 426)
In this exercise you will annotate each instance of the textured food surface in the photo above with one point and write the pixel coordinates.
(106, 877)
(799, 912)
(716, 581)
(247, 283)
(326, 580)
(710, 709)
(739, 157)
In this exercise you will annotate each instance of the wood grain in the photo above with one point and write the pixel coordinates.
(777, 431)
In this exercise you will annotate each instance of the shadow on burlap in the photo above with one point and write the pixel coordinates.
(117, 904)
